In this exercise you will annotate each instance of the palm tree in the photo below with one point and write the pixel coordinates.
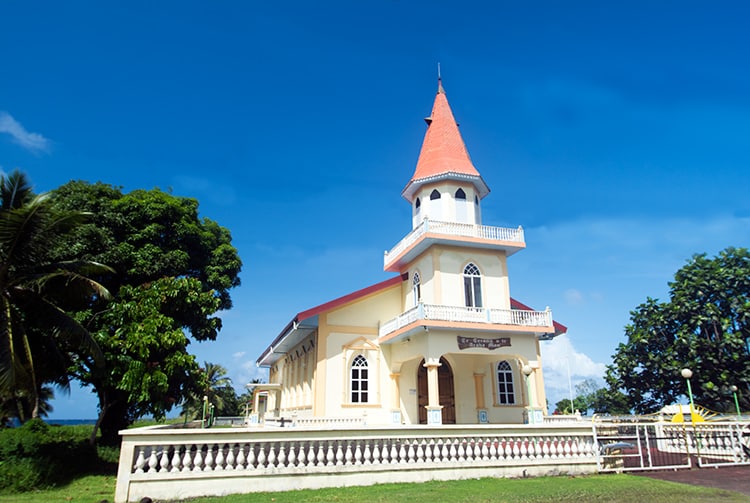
(214, 381)
(34, 292)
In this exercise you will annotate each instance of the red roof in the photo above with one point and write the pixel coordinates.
(443, 149)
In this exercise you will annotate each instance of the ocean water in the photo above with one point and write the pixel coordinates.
(68, 422)
(61, 422)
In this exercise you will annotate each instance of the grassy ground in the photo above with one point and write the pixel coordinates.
(597, 488)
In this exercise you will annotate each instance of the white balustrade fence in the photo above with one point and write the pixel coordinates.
(455, 229)
(516, 317)
(171, 463)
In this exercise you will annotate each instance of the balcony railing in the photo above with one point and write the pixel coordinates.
(455, 229)
(517, 317)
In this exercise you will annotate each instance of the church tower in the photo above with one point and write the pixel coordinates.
(458, 317)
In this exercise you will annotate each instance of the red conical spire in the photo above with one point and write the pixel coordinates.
(443, 150)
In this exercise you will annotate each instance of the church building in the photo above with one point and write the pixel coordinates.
(442, 341)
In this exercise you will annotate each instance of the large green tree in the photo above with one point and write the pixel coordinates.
(705, 326)
(172, 272)
(39, 339)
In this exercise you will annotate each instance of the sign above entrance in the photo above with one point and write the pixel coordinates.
(476, 342)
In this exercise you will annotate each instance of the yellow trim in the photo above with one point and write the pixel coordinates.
(319, 404)
(361, 405)
(479, 390)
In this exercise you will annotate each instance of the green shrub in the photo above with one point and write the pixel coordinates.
(38, 456)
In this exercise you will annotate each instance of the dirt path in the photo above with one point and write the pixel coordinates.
(732, 478)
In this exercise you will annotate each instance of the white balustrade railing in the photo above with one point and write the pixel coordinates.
(455, 229)
(172, 464)
(329, 422)
(181, 463)
(516, 317)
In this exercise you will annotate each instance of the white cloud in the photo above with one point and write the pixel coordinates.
(238, 355)
(564, 367)
(247, 372)
(34, 142)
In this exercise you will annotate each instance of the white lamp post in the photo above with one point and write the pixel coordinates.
(687, 374)
(734, 389)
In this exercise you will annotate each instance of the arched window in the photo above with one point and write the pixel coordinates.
(416, 288)
(359, 380)
(472, 286)
(418, 204)
(460, 194)
(434, 195)
(476, 200)
(505, 392)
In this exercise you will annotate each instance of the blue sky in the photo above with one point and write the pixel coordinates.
(616, 135)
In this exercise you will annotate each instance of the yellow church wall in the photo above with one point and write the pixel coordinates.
(295, 373)
(493, 267)
(368, 311)
(425, 266)
(349, 331)
(441, 274)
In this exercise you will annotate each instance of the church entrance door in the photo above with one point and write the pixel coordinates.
(445, 389)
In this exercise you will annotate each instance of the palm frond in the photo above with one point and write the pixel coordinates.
(62, 326)
(71, 280)
(15, 190)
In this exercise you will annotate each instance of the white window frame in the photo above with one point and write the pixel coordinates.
(505, 383)
(472, 278)
(359, 380)
(416, 288)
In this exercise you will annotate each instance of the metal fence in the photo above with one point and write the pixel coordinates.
(640, 444)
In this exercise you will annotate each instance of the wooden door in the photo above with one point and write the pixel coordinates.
(446, 394)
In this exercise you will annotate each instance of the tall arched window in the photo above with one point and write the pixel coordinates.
(434, 195)
(359, 379)
(460, 194)
(416, 288)
(418, 204)
(472, 286)
(505, 392)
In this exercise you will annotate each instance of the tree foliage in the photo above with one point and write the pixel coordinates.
(216, 388)
(172, 272)
(590, 397)
(705, 326)
(39, 339)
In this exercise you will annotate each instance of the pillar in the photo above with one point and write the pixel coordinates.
(479, 397)
(395, 398)
(434, 409)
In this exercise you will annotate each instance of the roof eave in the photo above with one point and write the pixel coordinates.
(415, 184)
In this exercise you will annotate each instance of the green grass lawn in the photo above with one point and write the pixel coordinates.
(604, 488)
